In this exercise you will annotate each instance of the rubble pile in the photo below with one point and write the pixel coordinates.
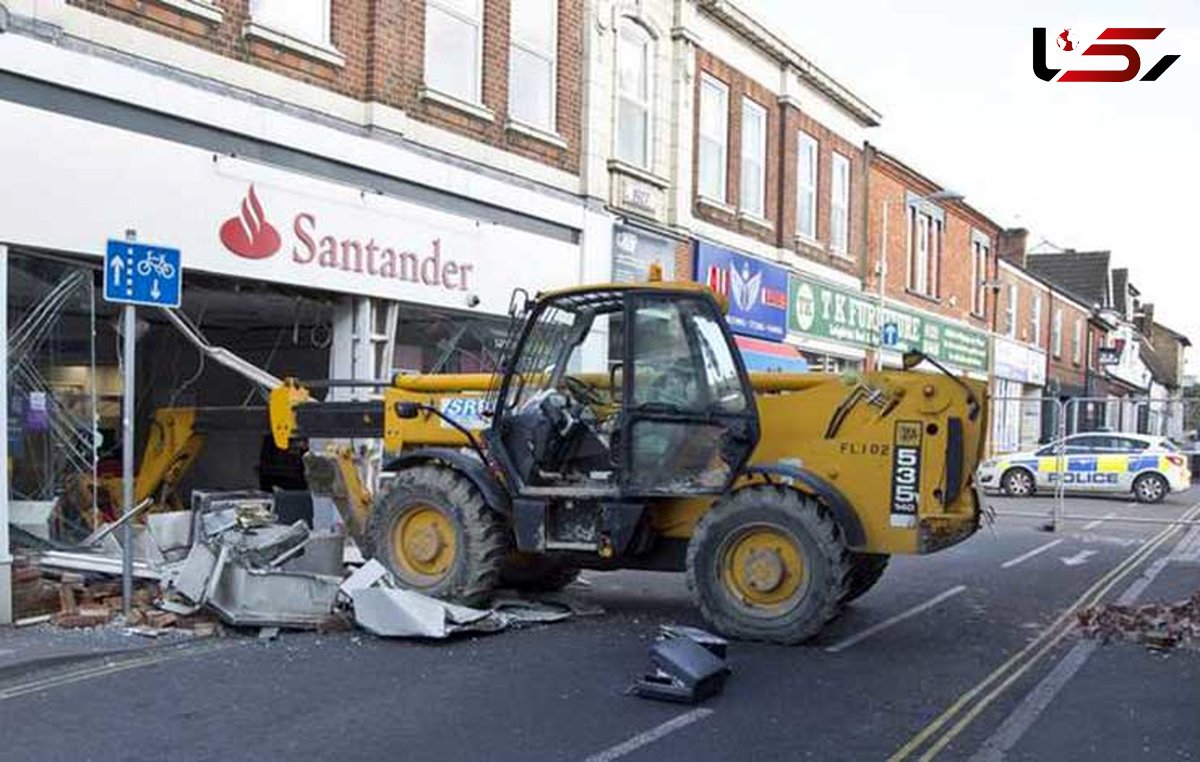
(230, 561)
(1160, 626)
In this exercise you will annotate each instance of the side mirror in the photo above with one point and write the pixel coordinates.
(912, 358)
(407, 410)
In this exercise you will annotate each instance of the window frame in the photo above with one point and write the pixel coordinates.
(1012, 312)
(1077, 342)
(924, 259)
(750, 106)
(807, 144)
(980, 249)
(324, 41)
(723, 89)
(627, 25)
(527, 48)
(1035, 320)
(839, 202)
(1056, 325)
(442, 6)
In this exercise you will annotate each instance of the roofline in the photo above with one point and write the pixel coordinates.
(783, 51)
(895, 162)
(1181, 338)
(1071, 294)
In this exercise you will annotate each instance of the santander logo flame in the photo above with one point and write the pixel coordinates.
(250, 235)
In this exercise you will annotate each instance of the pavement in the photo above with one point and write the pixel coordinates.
(964, 654)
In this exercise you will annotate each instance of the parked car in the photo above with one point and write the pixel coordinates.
(1148, 466)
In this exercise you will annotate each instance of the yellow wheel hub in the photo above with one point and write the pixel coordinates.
(763, 566)
(423, 544)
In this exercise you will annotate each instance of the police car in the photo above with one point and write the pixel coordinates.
(1147, 466)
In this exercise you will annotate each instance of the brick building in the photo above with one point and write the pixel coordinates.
(752, 159)
(933, 267)
(1019, 345)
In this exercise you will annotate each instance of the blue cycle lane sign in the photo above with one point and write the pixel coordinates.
(890, 334)
(138, 273)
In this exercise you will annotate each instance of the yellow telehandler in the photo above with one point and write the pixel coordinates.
(781, 496)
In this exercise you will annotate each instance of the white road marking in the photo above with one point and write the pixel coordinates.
(842, 645)
(650, 736)
(89, 671)
(1079, 558)
(1014, 727)
(1093, 524)
(1026, 556)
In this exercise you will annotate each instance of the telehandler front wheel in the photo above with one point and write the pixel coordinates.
(435, 532)
(866, 569)
(768, 563)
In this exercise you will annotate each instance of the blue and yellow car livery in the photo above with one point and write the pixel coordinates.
(1149, 474)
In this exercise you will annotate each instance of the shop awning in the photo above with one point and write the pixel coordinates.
(760, 355)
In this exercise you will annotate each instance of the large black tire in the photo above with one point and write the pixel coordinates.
(866, 570)
(802, 525)
(1150, 488)
(476, 534)
(1018, 482)
(536, 573)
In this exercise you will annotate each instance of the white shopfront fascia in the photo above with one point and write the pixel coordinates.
(890, 358)
(1014, 361)
(74, 184)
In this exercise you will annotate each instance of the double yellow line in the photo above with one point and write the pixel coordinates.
(972, 703)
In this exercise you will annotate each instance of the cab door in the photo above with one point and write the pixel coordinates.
(1093, 463)
(689, 423)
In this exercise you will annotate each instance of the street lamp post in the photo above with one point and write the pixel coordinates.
(881, 271)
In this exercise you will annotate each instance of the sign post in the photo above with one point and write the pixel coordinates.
(136, 274)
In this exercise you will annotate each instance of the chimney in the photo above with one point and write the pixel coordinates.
(1144, 321)
(1012, 246)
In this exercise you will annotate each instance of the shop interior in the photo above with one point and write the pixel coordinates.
(65, 379)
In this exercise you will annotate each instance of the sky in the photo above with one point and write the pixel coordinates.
(1082, 165)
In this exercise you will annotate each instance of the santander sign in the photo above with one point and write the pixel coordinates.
(251, 236)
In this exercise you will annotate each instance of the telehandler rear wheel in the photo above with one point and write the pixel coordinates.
(866, 569)
(768, 563)
(435, 532)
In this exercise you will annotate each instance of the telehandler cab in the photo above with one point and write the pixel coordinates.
(781, 496)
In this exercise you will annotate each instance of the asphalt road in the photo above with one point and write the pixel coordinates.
(944, 642)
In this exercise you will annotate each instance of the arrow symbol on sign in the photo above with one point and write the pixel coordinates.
(154, 292)
(1079, 558)
(117, 266)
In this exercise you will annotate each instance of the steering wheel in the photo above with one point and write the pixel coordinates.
(582, 391)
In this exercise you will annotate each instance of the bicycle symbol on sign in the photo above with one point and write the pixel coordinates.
(157, 264)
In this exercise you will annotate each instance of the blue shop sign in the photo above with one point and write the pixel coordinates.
(757, 291)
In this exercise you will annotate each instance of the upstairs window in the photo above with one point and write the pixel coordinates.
(635, 64)
(980, 249)
(454, 47)
(839, 207)
(1056, 326)
(806, 185)
(714, 138)
(1010, 312)
(1035, 321)
(306, 20)
(924, 252)
(1077, 343)
(533, 45)
(754, 158)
